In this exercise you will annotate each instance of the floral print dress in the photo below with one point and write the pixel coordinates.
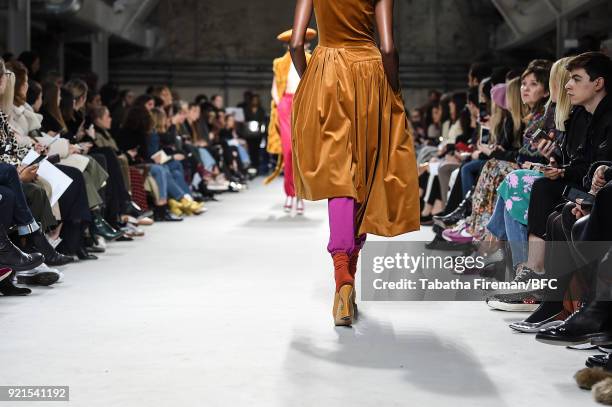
(494, 173)
(515, 191)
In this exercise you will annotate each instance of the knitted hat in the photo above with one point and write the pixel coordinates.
(498, 94)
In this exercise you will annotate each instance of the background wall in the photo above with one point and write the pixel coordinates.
(434, 33)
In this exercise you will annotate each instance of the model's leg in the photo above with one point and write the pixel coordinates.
(341, 245)
(284, 119)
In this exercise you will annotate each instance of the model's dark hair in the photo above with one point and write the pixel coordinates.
(97, 112)
(596, 65)
(138, 120)
(67, 105)
(143, 100)
(34, 91)
(540, 63)
(542, 75)
(480, 70)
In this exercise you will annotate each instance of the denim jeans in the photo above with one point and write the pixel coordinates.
(505, 227)
(166, 183)
(178, 174)
(469, 174)
(242, 152)
(22, 216)
(207, 159)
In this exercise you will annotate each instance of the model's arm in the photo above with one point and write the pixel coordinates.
(303, 13)
(390, 57)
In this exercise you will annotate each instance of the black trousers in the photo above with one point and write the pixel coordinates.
(559, 262)
(116, 194)
(39, 204)
(254, 150)
(599, 226)
(7, 206)
(546, 195)
(13, 195)
(74, 210)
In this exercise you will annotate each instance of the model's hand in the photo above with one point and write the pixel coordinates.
(303, 14)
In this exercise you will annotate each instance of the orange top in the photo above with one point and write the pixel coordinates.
(345, 23)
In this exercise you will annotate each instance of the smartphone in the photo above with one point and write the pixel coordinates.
(485, 136)
(570, 194)
(540, 135)
(54, 159)
(38, 160)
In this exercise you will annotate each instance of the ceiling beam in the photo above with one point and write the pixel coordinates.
(125, 25)
(534, 19)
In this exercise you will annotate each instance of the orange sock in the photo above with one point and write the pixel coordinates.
(341, 270)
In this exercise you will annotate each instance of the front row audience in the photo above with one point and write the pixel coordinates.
(124, 162)
(530, 187)
(518, 168)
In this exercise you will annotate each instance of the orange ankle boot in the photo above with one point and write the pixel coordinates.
(343, 311)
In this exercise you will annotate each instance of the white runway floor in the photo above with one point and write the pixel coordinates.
(233, 308)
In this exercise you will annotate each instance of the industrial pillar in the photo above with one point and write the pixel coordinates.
(99, 55)
(18, 26)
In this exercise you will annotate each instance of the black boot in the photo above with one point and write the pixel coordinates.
(461, 212)
(12, 257)
(83, 254)
(38, 243)
(101, 227)
(591, 322)
(162, 214)
(7, 288)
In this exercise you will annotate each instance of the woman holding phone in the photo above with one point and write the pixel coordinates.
(351, 140)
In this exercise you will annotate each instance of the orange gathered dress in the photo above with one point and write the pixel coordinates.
(350, 130)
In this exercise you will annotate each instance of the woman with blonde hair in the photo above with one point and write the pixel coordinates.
(510, 218)
(535, 93)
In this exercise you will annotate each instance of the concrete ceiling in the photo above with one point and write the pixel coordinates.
(525, 20)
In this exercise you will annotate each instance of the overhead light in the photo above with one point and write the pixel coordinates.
(63, 6)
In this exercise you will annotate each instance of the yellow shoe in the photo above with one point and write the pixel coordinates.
(175, 207)
(197, 207)
(186, 206)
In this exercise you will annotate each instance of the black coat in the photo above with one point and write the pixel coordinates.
(592, 136)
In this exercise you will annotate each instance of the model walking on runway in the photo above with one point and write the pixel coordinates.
(351, 140)
(284, 85)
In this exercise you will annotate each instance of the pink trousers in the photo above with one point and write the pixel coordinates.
(284, 118)
(342, 228)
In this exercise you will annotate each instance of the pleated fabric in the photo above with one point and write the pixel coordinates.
(351, 138)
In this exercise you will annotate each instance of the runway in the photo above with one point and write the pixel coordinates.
(233, 308)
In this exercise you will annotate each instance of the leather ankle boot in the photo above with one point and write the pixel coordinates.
(461, 212)
(8, 289)
(100, 227)
(38, 243)
(591, 323)
(12, 257)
